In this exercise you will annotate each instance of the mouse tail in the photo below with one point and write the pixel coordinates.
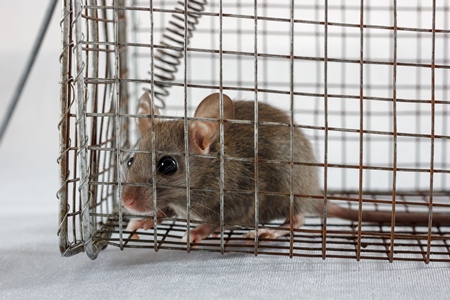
(386, 217)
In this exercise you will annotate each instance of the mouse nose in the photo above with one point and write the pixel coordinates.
(128, 201)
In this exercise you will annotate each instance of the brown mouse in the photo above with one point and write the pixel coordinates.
(239, 182)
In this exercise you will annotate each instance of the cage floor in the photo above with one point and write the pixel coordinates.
(338, 239)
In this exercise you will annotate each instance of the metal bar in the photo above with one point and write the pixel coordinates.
(104, 174)
(318, 80)
(361, 126)
(255, 128)
(134, 56)
(250, 55)
(152, 130)
(221, 137)
(445, 95)
(29, 65)
(117, 120)
(108, 141)
(368, 139)
(92, 27)
(291, 132)
(394, 163)
(325, 167)
(353, 7)
(343, 90)
(63, 127)
(265, 42)
(238, 34)
(90, 249)
(286, 20)
(186, 129)
(212, 56)
(418, 90)
(433, 124)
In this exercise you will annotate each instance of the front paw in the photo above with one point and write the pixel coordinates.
(134, 225)
(197, 234)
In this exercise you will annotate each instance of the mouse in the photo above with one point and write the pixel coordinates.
(273, 172)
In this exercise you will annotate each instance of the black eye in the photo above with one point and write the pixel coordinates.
(130, 161)
(167, 165)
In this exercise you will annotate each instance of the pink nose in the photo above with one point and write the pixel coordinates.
(128, 201)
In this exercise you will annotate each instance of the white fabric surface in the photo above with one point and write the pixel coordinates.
(32, 268)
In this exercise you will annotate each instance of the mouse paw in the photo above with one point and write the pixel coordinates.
(193, 238)
(134, 225)
(262, 234)
(197, 234)
(271, 234)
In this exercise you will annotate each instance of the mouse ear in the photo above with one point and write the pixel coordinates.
(145, 108)
(204, 133)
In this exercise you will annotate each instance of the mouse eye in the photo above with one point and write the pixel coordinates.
(167, 165)
(130, 161)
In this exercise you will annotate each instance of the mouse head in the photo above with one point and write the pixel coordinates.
(170, 164)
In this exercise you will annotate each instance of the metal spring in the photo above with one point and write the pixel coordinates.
(166, 61)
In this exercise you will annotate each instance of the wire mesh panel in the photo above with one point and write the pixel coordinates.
(365, 81)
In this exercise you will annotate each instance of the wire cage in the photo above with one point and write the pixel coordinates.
(366, 81)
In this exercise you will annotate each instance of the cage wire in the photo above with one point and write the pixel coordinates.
(368, 84)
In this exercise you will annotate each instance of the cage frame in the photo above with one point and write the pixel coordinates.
(92, 244)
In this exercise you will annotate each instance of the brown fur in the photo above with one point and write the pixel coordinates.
(239, 203)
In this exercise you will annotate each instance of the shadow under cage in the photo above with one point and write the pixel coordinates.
(365, 81)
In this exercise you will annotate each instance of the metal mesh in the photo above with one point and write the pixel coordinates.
(366, 81)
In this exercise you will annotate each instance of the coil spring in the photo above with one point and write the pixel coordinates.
(166, 61)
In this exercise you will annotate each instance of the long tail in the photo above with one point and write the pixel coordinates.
(386, 217)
